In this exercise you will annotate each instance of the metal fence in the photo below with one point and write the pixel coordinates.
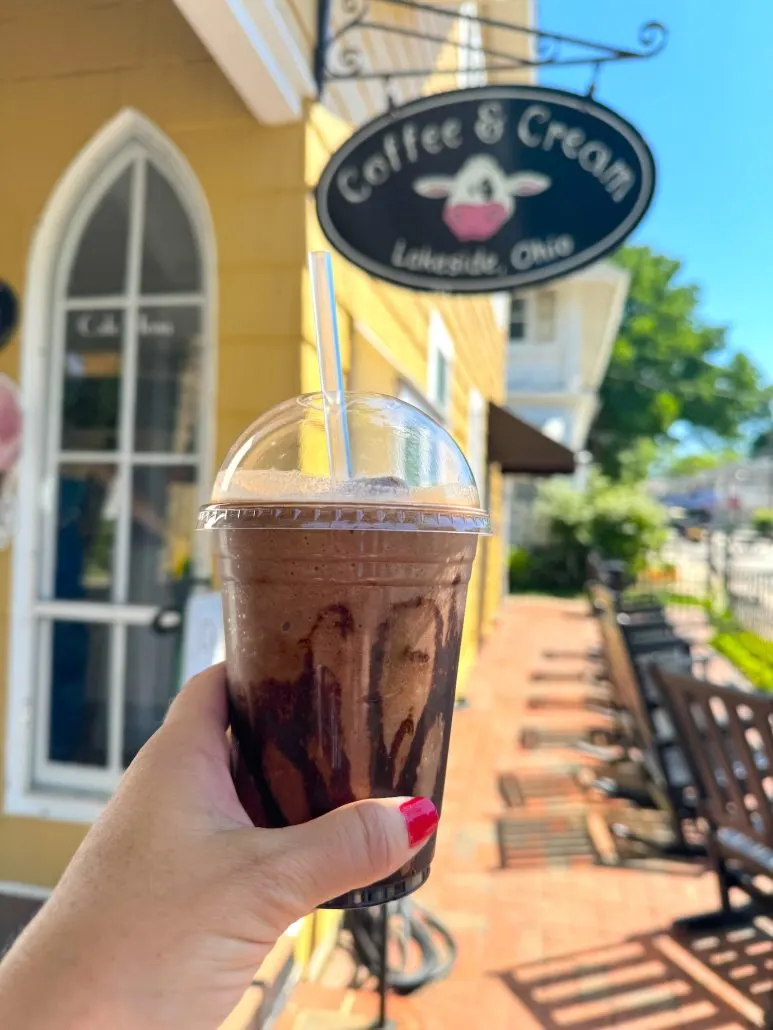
(750, 600)
(730, 572)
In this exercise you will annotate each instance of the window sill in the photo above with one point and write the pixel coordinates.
(54, 806)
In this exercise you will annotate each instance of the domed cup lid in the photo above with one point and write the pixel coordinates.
(408, 472)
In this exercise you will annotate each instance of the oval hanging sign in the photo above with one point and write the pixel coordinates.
(486, 189)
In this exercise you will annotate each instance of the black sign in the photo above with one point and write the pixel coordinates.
(9, 312)
(486, 189)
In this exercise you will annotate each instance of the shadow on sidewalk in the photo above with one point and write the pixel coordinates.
(653, 982)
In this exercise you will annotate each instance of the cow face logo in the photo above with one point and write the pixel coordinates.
(480, 198)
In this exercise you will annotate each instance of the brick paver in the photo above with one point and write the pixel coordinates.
(556, 942)
(505, 919)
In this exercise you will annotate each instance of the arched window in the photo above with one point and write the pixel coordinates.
(120, 462)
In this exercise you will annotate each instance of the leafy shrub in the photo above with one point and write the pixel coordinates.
(542, 570)
(619, 521)
(686, 600)
(750, 654)
(626, 525)
(761, 649)
(762, 521)
(520, 569)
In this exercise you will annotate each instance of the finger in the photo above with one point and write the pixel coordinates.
(202, 701)
(347, 849)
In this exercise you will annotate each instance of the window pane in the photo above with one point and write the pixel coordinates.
(80, 664)
(100, 261)
(163, 518)
(170, 257)
(169, 350)
(92, 380)
(85, 532)
(517, 318)
(151, 682)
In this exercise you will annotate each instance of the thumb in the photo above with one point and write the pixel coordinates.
(349, 848)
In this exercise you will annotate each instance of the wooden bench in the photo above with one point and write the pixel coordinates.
(727, 738)
(648, 733)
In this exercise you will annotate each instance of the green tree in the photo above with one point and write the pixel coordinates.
(669, 367)
(689, 464)
(762, 445)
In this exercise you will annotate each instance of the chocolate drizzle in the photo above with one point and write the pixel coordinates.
(334, 702)
(303, 720)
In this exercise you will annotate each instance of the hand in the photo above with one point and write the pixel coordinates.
(174, 898)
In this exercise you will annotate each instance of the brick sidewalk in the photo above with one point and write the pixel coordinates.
(514, 925)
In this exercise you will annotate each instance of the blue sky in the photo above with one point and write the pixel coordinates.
(705, 107)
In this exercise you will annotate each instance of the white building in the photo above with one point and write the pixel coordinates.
(561, 338)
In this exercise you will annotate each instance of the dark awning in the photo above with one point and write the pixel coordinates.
(520, 448)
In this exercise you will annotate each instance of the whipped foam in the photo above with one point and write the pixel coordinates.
(271, 486)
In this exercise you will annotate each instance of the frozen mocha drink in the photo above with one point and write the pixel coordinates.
(343, 606)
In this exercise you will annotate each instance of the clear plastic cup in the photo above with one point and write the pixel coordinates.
(343, 605)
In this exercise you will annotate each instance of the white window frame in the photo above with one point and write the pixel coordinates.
(476, 440)
(471, 60)
(531, 324)
(440, 347)
(79, 796)
(407, 392)
(500, 307)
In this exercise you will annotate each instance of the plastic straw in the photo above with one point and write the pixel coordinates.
(330, 371)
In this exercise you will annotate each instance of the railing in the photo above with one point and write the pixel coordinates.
(750, 600)
(732, 574)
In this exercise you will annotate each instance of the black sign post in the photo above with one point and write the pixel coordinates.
(486, 189)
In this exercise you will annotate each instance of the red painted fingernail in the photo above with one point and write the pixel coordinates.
(421, 819)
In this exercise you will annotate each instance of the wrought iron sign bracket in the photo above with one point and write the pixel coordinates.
(341, 54)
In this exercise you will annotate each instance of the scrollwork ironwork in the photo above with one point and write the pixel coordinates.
(342, 54)
(347, 60)
(548, 49)
(653, 38)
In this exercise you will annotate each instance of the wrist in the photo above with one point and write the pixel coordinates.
(46, 984)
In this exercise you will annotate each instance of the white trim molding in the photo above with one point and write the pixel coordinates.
(440, 345)
(471, 60)
(477, 424)
(500, 306)
(27, 891)
(127, 133)
(257, 53)
(618, 281)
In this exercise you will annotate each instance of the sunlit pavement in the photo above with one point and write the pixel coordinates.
(559, 941)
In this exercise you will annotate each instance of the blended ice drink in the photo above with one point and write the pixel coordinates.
(344, 605)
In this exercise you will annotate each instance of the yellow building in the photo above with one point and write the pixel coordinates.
(157, 178)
